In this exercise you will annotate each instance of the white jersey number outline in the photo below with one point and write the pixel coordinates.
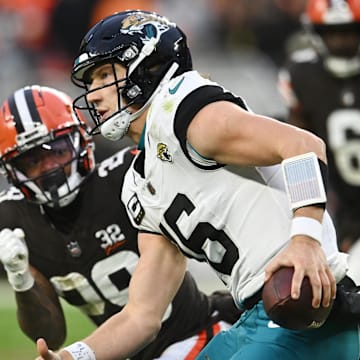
(205, 239)
(343, 127)
(105, 288)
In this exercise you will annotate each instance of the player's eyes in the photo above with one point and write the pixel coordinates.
(56, 150)
(29, 161)
(59, 152)
(25, 162)
(104, 74)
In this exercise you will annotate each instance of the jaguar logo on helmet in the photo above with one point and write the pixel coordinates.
(149, 24)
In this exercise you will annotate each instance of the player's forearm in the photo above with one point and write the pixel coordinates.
(40, 316)
(118, 338)
(126, 340)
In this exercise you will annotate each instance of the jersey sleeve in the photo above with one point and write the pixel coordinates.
(194, 102)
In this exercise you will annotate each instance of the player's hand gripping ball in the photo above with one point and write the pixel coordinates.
(287, 312)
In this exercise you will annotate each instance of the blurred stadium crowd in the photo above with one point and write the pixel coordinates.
(39, 38)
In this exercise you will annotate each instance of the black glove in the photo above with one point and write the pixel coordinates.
(223, 303)
(346, 307)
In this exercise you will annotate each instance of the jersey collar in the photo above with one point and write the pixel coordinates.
(141, 144)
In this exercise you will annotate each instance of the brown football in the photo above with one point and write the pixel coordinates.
(286, 312)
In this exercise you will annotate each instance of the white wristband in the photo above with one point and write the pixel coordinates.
(302, 225)
(80, 351)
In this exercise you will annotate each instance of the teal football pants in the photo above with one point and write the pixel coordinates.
(255, 337)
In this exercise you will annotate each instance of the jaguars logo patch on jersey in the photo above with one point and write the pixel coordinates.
(163, 152)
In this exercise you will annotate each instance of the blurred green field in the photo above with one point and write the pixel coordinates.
(14, 345)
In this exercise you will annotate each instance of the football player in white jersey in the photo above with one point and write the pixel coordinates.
(186, 194)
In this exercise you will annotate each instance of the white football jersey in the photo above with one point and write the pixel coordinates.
(235, 222)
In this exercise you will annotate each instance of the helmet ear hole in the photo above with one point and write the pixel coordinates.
(145, 80)
(132, 93)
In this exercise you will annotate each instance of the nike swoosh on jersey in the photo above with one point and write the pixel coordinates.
(272, 325)
(176, 87)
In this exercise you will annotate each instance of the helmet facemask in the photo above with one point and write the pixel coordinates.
(58, 185)
(45, 149)
(128, 95)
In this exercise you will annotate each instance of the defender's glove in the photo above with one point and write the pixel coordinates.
(223, 303)
(15, 257)
(346, 307)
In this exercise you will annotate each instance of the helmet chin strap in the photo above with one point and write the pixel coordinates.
(342, 67)
(54, 195)
(118, 124)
